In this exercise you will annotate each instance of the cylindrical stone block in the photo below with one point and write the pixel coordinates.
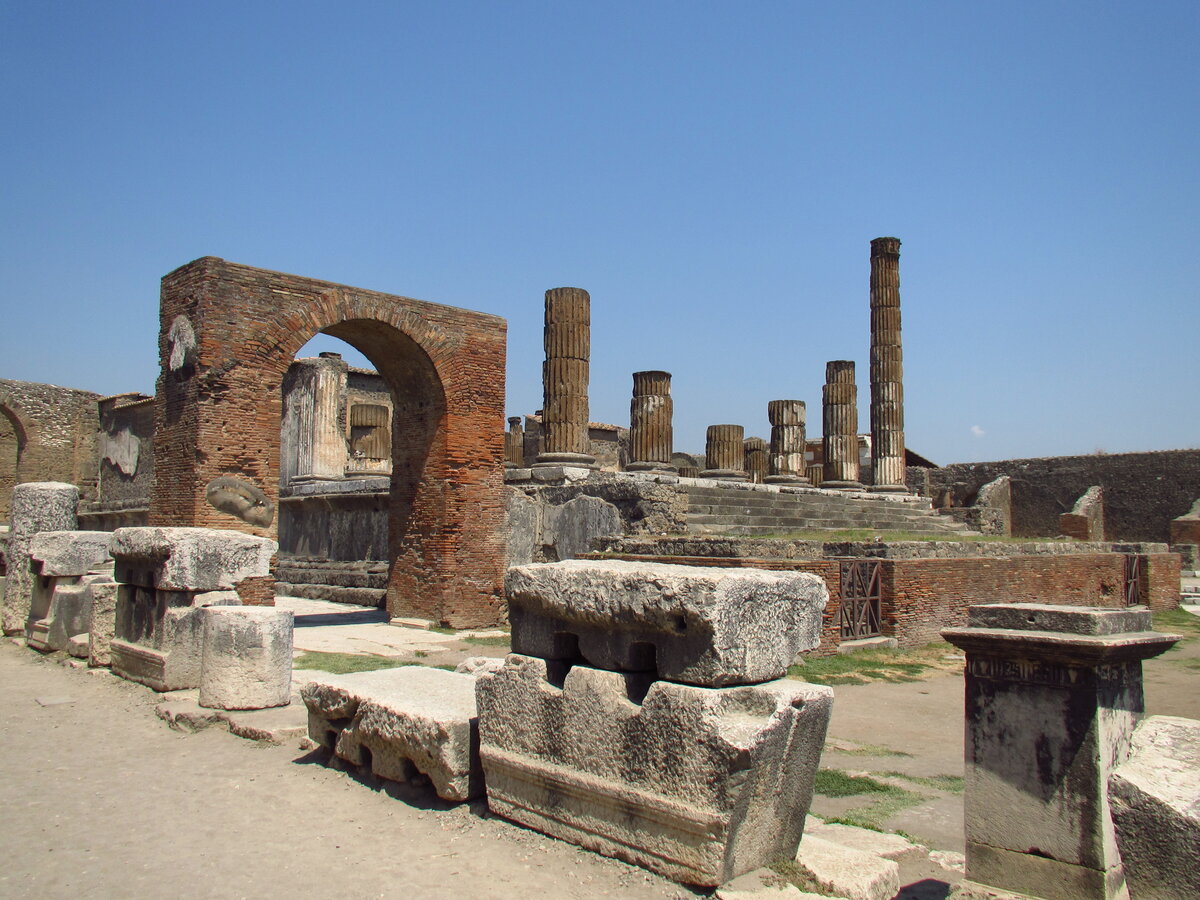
(840, 426)
(887, 368)
(567, 340)
(788, 440)
(754, 452)
(650, 429)
(246, 658)
(724, 454)
(514, 444)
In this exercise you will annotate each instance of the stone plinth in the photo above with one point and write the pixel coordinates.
(165, 576)
(397, 722)
(514, 444)
(724, 454)
(840, 431)
(887, 368)
(36, 506)
(691, 624)
(754, 454)
(1053, 694)
(650, 426)
(59, 607)
(246, 657)
(698, 784)
(788, 439)
(568, 346)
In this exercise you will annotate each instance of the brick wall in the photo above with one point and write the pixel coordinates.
(227, 336)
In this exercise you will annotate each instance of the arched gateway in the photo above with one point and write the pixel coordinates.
(227, 335)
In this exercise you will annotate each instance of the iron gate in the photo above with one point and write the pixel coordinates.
(1133, 580)
(861, 594)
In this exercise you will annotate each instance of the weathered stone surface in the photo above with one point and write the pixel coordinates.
(1154, 797)
(191, 559)
(395, 721)
(521, 513)
(1085, 521)
(842, 871)
(569, 529)
(887, 369)
(762, 884)
(104, 614)
(839, 413)
(876, 843)
(724, 454)
(567, 338)
(703, 626)
(36, 506)
(650, 428)
(698, 784)
(477, 665)
(246, 660)
(57, 553)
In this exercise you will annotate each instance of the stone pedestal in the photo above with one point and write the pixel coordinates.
(568, 345)
(246, 657)
(36, 506)
(840, 427)
(786, 462)
(59, 608)
(887, 369)
(650, 428)
(514, 444)
(165, 576)
(724, 454)
(754, 455)
(1053, 694)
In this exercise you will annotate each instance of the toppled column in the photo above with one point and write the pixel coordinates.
(786, 464)
(724, 454)
(643, 714)
(36, 506)
(514, 444)
(887, 369)
(840, 427)
(246, 657)
(565, 379)
(650, 429)
(754, 454)
(60, 603)
(165, 576)
(1085, 521)
(1053, 694)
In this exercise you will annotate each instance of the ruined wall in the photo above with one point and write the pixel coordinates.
(47, 433)
(1143, 492)
(609, 444)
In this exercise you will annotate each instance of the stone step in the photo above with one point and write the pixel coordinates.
(802, 522)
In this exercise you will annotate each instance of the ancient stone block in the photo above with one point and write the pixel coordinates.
(1154, 797)
(58, 553)
(103, 622)
(568, 530)
(841, 871)
(396, 722)
(59, 606)
(703, 626)
(190, 559)
(246, 657)
(36, 507)
(698, 784)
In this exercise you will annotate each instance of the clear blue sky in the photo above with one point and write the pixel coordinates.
(711, 173)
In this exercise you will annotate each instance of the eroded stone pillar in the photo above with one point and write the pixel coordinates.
(650, 430)
(754, 452)
(786, 462)
(724, 454)
(565, 379)
(514, 444)
(887, 368)
(840, 426)
(313, 442)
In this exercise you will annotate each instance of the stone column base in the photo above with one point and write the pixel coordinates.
(843, 485)
(663, 467)
(726, 474)
(888, 488)
(786, 479)
(578, 460)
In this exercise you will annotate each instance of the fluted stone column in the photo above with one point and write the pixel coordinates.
(887, 368)
(840, 437)
(565, 379)
(514, 444)
(788, 438)
(650, 431)
(313, 445)
(754, 451)
(724, 454)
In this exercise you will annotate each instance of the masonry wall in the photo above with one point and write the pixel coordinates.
(1143, 492)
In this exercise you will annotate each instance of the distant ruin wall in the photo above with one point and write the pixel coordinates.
(1143, 492)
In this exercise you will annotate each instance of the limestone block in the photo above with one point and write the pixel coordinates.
(100, 633)
(191, 559)
(571, 527)
(246, 658)
(699, 784)
(477, 665)
(690, 624)
(1154, 798)
(845, 872)
(58, 553)
(762, 884)
(395, 721)
(521, 520)
(70, 614)
(77, 646)
(877, 843)
(166, 646)
(35, 507)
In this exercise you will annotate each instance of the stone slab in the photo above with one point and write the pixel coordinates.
(846, 872)
(763, 884)
(190, 559)
(876, 843)
(698, 784)
(400, 721)
(1085, 620)
(57, 553)
(689, 624)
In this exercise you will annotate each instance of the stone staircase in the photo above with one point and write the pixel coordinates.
(756, 511)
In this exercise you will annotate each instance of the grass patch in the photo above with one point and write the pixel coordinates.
(497, 640)
(868, 750)
(1176, 621)
(953, 784)
(864, 666)
(836, 783)
(345, 663)
(883, 800)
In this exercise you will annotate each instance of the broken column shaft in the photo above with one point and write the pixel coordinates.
(754, 451)
(840, 431)
(724, 454)
(514, 444)
(887, 368)
(565, 379)
(650, 432)
(786, 462)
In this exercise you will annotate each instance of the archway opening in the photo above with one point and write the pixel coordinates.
(12, 445)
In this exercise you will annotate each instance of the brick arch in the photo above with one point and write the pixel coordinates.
(227, 335)
(15, 432)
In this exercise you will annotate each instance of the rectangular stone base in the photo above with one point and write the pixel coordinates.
(1040, 876)
(37, 635)
(154, 668)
